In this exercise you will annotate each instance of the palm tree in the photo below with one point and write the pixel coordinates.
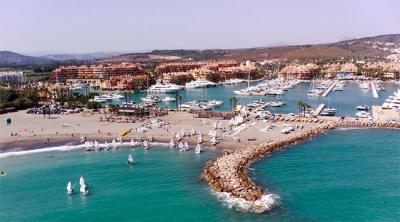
(126, 95)
(302, 107)
(178, 99)
(233, 102)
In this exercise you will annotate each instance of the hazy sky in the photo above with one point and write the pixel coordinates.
(32, 26)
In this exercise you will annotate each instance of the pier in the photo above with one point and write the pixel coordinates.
(374, 91)
(330, 88)
(319, 109)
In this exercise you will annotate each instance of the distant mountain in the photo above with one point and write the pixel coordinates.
(369, 47)
(8, 58)
(82, 56)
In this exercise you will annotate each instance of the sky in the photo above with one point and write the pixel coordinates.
(83, 26)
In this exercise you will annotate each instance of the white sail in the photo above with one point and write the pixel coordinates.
(69, 188)
(113, 144)
(119, 138)
(146, 144)
(84, 189)
(178, 136)
(186, 145)
(172, 143)
(180, 146)
(106, 145)
(82, 139)
(213, 140)
(81, 181)
(130, 159)
(198, 148)
(96, 144)
(183, 132)
(199, 139)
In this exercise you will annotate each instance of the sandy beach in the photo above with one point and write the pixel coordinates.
(34, 131)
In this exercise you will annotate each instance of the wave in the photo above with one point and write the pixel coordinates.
(67, 147)
(265, 203)
(42, 150)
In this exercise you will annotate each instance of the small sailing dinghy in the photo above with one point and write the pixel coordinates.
(106, 146)
(180, 146)
(200, 139)
(178, 137)
(198, 148)
(185, 147)
(146, 145)
(96, 145)
(82, 139)
(213, 140)
(114, 145)
(172, 143)
(84, 189)
(130, 160)
(70, 190)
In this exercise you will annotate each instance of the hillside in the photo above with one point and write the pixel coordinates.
(356, 48)
(8, 58)
(368, 47)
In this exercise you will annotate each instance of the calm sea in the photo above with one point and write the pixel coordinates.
(344, 175)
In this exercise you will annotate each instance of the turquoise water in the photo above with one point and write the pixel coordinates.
(345, 101)
(351, 175)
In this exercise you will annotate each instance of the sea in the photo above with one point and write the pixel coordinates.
(341, 175)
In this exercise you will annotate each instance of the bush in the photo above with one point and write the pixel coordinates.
(94, 105)
(182, 80)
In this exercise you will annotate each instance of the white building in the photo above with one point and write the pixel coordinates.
(14, 77)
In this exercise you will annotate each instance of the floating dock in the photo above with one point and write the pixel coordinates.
(329, 89)
(374, 91)
(319, 109)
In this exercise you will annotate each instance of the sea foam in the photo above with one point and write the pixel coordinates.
(265, 203)
(42, 150)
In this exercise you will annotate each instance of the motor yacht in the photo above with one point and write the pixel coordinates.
(362, 107)
(168, 99)
(233, 81)
(200, 83)
(151, 99)
(160, 87)
(363, 114)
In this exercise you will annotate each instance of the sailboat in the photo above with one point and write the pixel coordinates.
(198, 148)
(114, 145)
(130, 160)
(84, 189)
(146, 144)
(200, 139)
(178, 136)
(213, 140)
(313, 91)
(180, 146)
(96, 145)
(70, 190)
(172, 143)
(82, 139)
(119, 138)
(186, 146)
(106, 146)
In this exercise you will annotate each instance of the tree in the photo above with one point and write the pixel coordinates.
(126, 95)
(178, 100)
(302, 107)
(233, 101)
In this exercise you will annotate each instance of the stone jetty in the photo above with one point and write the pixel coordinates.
(228, 173)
